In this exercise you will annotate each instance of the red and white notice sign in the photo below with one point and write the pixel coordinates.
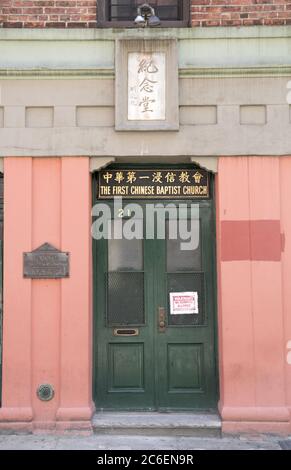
(183, 303)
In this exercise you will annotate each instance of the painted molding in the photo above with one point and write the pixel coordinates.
(76, 414)
(255, 413)
(104, 34)
(8, 73)
(16, 414)
(232, 72)
(209, 163)
(96, 163)
(202, 51)
(288, 357)
(109, 73)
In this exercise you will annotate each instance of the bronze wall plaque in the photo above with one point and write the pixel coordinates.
(153, 184)
(46, 262)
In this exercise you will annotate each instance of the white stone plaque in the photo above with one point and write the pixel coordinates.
(146, 86)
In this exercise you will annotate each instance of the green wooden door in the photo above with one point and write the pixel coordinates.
(185, 353)
(147, 356)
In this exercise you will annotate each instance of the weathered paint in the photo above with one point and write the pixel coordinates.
(254, 298)
(234, 93)
(48, 326)
(47, 323)
(257, 240)
(199, 47)
(177, 366)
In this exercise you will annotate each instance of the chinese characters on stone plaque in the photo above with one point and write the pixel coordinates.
(146, 86)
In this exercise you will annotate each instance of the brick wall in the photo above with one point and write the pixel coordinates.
(47, 13)
(82, 13)
(240, 12)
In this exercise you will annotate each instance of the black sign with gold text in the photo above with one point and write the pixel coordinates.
(153, 184)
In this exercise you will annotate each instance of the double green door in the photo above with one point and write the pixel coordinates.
(154, 331)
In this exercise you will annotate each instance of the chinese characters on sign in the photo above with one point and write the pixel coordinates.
(146, 86)
(155, 183)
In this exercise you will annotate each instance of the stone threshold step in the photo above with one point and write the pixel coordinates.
(159, 424)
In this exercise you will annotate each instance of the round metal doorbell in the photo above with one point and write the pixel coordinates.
(45, 392)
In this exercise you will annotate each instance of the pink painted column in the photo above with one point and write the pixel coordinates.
(267, 298)
(76, 405)
(16, 411)
(46, 294)
(285, 176)
(251, 296)
(47, 334)
(237, 365)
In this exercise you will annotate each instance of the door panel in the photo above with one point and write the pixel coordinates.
(185, 364)
(166, 361)
(124, 300)
(186, 349)
(126, 367)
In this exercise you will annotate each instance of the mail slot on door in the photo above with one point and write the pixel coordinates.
(126, 332)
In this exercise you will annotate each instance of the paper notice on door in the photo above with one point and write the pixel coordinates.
(183, 303)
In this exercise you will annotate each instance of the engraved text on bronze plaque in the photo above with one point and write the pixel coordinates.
(46, 262)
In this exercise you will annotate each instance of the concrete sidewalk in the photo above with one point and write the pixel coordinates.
(124, 442)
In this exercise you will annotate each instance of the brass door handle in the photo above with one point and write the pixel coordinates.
(162, 319)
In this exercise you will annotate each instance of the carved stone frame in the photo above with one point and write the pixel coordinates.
(122, 49)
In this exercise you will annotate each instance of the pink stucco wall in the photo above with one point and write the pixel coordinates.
(254, 272)
(47, 323)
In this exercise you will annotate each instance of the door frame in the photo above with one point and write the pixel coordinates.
(1, 278)
(212, 193)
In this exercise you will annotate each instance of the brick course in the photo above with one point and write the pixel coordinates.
(48, 13)
(240, 12)
(83, 13)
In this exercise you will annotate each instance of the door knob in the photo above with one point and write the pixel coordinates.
(162, 319)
